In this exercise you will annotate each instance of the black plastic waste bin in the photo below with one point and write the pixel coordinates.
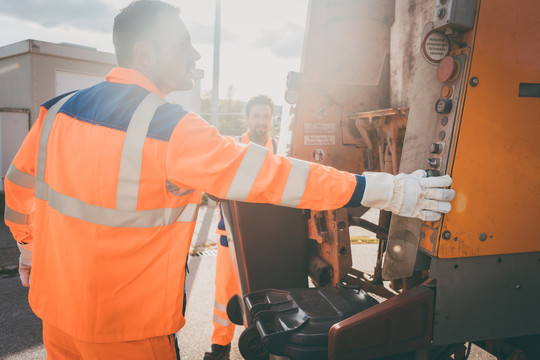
(295, 323)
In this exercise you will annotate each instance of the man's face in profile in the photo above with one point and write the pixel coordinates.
(175, 55)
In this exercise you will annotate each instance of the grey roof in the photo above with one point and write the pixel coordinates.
(64, 50)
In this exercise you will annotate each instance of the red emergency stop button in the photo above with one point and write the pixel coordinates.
(448, 69)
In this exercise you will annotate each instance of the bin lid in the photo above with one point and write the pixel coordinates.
(298, 320)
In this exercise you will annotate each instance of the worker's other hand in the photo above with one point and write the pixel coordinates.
(411, 195)
(25, 263)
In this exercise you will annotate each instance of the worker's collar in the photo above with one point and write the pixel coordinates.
(130, 76)
(268, 144)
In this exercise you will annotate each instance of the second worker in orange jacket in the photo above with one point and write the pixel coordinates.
(102, 196)
(259, 115)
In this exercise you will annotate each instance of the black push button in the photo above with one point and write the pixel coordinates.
(434, 162)
(443, 106)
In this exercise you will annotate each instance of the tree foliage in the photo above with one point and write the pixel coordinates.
(231, 113)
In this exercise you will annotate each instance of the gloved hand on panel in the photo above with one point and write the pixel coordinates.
(410, 195)
(25, 263)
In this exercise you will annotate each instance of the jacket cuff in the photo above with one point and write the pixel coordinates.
(358, 193)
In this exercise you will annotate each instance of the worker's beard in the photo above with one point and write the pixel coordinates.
(261, 130)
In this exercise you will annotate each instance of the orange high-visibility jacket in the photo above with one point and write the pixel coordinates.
(106, 186)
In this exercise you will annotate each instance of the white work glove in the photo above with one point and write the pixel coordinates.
(413, 195)
(25, 263)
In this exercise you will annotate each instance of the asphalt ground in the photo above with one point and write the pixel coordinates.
(20, 329)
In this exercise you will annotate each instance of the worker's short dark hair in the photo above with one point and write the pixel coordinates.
(259, 100)
(133, 23)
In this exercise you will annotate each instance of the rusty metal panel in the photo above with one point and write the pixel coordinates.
(382, 133)
(341, 75)
(330, 243)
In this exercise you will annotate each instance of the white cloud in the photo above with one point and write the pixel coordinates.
(284, 42)
(62, 33)
(204, 34)
(95, 15)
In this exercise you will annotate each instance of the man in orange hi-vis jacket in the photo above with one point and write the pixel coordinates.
(102, 196)
(259, 113)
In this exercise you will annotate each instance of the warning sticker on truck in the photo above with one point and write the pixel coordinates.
(435, 47)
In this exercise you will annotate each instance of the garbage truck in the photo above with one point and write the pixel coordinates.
(448, 86)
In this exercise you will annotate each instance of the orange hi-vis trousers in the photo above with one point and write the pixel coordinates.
(62, 346)
(226, 287)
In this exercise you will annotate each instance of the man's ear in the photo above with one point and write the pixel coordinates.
(143, 54)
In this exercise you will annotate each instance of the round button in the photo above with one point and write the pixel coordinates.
(446, 68)
(442, 135)
(447, 91)
(291, 96)
(444, 120)
(434, 162)
(435, 148)
(443, 106)
(440, 13)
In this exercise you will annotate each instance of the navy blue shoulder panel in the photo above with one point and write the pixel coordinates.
(47, 105)
(112, 105)
(105, 104)
(165, 120)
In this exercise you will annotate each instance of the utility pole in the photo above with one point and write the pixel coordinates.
(215, 74)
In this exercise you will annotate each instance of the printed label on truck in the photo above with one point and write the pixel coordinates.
(319, 140)
(319, 128)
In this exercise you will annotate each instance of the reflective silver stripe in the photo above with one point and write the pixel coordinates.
(76, 208)
(189, 213)
(20, 178)
(44, 138)
(296, 183)
(247, 172)
(220, 306)
(132, 152)
(221, 321)
(15, 216)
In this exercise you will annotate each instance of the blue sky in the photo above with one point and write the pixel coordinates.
(261, 39)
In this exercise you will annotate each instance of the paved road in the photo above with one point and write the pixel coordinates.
(20, 330)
